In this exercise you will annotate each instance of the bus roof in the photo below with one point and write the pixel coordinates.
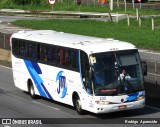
(85, 43)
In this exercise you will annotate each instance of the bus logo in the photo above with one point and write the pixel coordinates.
(61, 84)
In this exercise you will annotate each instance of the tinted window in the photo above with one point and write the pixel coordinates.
(48, 54)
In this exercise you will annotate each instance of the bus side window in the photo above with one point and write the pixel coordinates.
(55, 55)
(23, 48)
(32, 50)
(15, 46)
(61, 55)
(73, 59)
(42, 52)
(66, 57)
(26, 50)
(50, 54)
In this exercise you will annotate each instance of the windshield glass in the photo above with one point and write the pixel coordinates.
(117, 73)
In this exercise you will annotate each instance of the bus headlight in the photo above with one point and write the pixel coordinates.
(102, 102)
(140, 98)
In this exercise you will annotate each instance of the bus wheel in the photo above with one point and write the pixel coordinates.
(78, 106)
(32, 91)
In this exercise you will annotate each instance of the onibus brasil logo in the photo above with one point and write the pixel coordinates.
(61, 84)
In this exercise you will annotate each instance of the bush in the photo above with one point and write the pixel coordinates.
(22, 2)
(36, 2)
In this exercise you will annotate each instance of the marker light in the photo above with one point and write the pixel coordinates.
(140, 98)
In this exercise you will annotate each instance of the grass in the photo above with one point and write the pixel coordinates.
(145, 22)
(142, 37)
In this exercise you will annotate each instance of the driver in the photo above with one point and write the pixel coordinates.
(124, 74)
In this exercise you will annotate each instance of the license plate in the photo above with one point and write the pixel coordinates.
(122, 107)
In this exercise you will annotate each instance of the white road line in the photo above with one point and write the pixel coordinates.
(7, 126)
(153, 74)
(153, 107)
(152, 60)
(46, 105)
(150, 52)
(5, 67)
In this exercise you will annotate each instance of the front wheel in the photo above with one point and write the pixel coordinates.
(78, 106)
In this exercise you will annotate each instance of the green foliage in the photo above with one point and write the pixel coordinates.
(35, 2)
(22, 2)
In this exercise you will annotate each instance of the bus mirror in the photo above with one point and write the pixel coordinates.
(144, 68)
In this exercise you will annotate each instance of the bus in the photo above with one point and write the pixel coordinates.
(80, 71)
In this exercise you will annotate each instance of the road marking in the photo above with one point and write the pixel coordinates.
(7, 126)
(152, 107)
(149, 52)
(46, 105)
(5, 67)
(153, 74)
(152, 60)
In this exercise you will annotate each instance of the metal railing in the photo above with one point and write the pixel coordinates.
(5, 41)
(153, 75)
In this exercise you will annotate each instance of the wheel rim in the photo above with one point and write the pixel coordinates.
(32, 91)
(78, 105)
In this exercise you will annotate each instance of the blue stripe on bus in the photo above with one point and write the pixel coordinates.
(36, 67)
(132, 97)
(34, 70)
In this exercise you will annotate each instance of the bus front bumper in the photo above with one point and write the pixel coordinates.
(119, 107)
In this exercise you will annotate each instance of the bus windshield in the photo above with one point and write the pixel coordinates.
(116, 73)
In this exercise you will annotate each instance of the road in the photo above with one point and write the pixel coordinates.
(13, 18)
(15, 103)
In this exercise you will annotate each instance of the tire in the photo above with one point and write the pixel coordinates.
(32, 91)
(78, 106)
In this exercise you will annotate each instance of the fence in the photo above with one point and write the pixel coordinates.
(5, 41)
(153, 65)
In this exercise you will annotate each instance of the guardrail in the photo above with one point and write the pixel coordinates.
(5, 41)
(153, 70)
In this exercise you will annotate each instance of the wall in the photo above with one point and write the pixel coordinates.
(5, 47)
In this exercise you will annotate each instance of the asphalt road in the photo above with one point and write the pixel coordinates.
(13, 18)
(15, 103)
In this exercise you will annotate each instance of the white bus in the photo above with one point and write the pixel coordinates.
(81, 71)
